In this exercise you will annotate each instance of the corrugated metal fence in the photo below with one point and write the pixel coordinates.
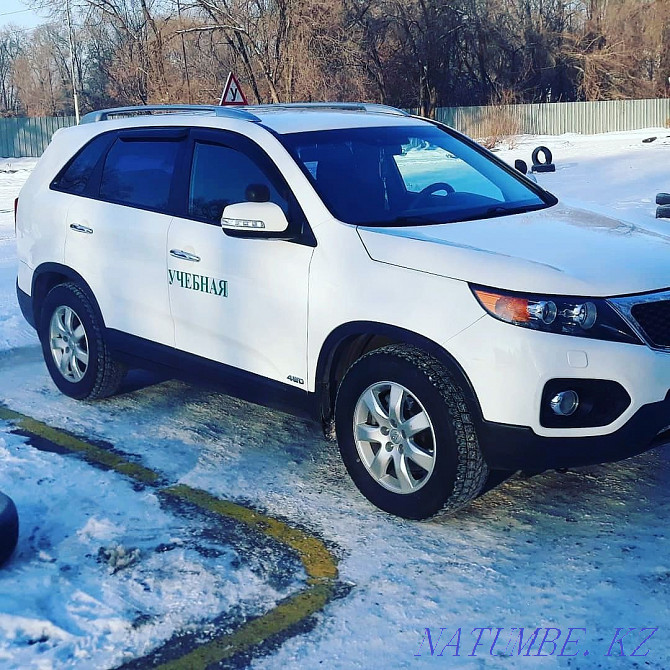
(30, 136)
(560, 117)
(21, 137)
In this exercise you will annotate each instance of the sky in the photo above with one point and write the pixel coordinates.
(18, 13)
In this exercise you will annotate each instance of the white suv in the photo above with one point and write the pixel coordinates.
(370, 269)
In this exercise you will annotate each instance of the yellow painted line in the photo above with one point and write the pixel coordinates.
(89, 452)
(319, 563)
(282, 617)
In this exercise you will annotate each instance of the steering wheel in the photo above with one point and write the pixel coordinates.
(429, 190)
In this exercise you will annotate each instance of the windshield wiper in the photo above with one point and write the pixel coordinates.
(499, 209)
(411, 220)
(511, 209)
(456, 217)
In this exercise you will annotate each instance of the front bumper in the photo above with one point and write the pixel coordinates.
(507, 447)
(508, 367)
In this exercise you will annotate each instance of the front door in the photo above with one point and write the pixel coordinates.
(239, 300)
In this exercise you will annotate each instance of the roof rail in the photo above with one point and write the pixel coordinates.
(334, 106)
(243, 113)
(149, 110)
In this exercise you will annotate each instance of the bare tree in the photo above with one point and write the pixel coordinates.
(412, 53)
(11, 44)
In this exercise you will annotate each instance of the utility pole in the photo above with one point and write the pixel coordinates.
(72, 69)
(183, 50)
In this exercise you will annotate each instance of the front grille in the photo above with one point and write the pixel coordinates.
(654, 320)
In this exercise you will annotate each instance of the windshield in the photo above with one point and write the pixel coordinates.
(408, 175)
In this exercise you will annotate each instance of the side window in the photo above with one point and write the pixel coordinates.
(139, 172)
(74, 178)
(222, 176)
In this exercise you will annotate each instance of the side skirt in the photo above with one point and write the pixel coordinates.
(140, 353)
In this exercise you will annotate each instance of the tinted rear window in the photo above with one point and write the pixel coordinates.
(139, 173)
(74, 178)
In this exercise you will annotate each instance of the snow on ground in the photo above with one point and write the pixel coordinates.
(616, 174)
(102, 573)
(587, 549)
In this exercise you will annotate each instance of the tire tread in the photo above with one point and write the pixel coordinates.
(109, 372)
(472, 471)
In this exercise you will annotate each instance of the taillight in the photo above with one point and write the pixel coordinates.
(16, 208)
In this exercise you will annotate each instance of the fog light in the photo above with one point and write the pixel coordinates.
(564, 403)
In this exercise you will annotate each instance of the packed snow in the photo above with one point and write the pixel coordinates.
(89, 585)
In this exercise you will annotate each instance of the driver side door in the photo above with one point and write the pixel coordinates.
(239, 298)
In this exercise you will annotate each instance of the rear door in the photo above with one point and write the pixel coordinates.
(116, 237)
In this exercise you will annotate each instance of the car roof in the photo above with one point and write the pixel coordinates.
(280, 118)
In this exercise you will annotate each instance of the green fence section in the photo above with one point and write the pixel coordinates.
(26, 137)
(29, 136)
(560, 117)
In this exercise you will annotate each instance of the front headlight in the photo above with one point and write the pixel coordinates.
(564, 315)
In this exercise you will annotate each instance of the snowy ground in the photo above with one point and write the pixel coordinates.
(587, 549)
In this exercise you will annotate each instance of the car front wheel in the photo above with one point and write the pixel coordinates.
(406, 435)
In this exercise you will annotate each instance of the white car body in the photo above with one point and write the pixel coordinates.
(284, 301)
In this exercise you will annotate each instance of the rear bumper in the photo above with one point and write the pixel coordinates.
(507, 447)
(26, 305)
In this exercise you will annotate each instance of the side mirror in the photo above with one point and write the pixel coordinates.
(254, 217)
(521, 166)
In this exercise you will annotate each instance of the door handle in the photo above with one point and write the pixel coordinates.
(183, 255)
(81, 229)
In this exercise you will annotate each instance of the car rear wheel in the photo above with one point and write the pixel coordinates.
(406, 435)
(78, 360)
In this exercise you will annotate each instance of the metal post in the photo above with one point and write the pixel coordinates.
(183, 50)
(72, 71)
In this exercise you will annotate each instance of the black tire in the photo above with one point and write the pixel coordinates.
(459, 471)
(546, 154)
(9, 527)
(544, 168)
(102, 375)
(663, 212)
(663, 198)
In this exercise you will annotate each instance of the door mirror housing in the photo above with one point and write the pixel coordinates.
(254, 217)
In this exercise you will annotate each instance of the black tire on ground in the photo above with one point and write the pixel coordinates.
(544, 168)
(546, 154)
(663, 212)
(459, 471)
(102, 375)
(9, 527)
(663, 198)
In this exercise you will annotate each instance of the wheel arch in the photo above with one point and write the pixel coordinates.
(48, 275)
(349, 341)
